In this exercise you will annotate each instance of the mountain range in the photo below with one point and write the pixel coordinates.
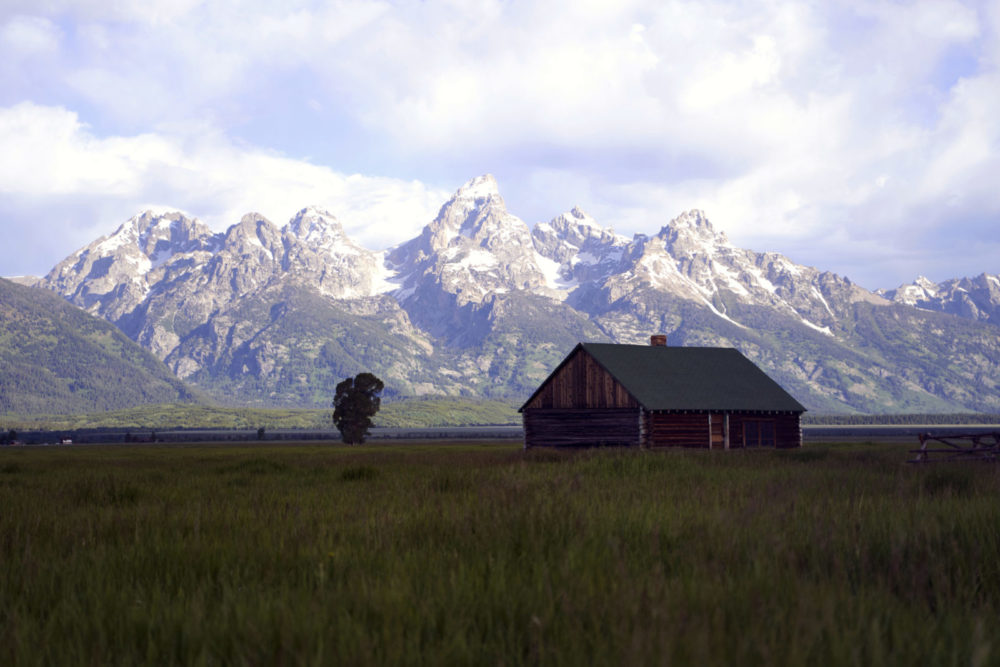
(479, 304)
(975, 298)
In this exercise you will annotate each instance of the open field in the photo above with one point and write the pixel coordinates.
(479, 553)
(409, 412)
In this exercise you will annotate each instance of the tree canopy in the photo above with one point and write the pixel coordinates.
(355, 403)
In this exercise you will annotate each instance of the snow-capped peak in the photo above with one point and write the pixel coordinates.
(695, 221)
(578, 216)
(920, 290)
(477, 212)
(691, 233)
(152, 234)
(469, 203)
(315, 226)
(163, 212)
(975, 298)
(481, 187)
(314, 213)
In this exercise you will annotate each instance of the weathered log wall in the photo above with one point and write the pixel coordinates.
(667, 429)
(580, 427)
(788, 431)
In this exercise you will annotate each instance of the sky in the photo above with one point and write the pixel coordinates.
(861, 137)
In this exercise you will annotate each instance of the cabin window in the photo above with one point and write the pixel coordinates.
(758, 433)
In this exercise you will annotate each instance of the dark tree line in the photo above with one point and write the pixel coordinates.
(902, 419)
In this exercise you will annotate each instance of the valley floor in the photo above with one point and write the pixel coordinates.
(476, 552)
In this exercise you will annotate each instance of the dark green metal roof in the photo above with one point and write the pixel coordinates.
(692, 378)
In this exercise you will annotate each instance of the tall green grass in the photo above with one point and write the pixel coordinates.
(473, 553)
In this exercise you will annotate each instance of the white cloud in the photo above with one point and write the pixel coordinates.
(28, 36)
(791, 123)
(147, 12)
(965, 151)
(730, 76)
(50, 154)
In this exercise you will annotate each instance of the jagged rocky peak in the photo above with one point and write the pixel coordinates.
(921, 289)
(693, 219)
(253, 246)
(689, 243)
(583, 249)
(692, 232)
(706, 257)
(252, 221)
(316, 230)
(577, 219)
(140, 244)
(475, 216)
(477, 211)
(318, 252)
(973, 298)
(989, 283)
(317, 227)
(576, 227)
(174, 228)
(155, 234)
(474, 248)
(255, 228)
(479, 190)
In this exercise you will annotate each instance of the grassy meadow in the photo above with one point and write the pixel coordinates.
(479, 553)
(403, 413)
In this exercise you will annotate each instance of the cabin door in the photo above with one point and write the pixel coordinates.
(716, 431)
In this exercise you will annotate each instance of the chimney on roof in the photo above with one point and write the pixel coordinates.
(658, 340)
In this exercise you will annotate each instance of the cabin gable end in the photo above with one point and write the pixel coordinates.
(581, 382)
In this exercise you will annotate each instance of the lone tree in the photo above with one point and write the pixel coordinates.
(355, 403)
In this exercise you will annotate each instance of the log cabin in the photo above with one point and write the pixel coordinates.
(659, 396)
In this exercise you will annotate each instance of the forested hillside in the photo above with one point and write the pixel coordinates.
(56, 358)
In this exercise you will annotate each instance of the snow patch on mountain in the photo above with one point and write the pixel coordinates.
(386, 276)
(552, 272)
(721, 314)
(819, 296)
(479, 259)
(114, 242)
(255, 240)
(824, 330)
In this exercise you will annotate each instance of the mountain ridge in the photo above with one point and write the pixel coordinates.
(479, 304)
(976, 298)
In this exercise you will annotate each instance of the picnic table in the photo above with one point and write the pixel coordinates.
(959, 447)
